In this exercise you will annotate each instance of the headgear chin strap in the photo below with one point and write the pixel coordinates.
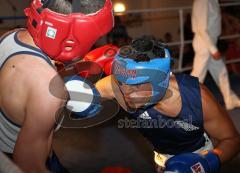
(67, 37)
(155, 71)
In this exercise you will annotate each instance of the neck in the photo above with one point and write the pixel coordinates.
(172, 97)
(170, 91)
(26, 37)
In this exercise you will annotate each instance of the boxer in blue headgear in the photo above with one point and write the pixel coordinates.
(174, 112)
(153, 70)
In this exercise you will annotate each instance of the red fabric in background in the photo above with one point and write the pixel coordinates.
(116, 170)
(233, 52)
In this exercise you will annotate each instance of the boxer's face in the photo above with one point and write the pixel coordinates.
(136, 96)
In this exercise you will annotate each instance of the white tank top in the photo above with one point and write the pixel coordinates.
(9, 47)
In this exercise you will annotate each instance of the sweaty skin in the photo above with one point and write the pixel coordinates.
(26, 100)
(217, 122)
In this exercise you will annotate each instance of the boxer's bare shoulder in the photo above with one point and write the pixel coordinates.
(20, 76)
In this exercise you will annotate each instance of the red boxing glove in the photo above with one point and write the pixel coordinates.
(103, 56)
(94, 63)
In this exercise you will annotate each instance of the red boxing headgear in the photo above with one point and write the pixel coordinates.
(67, 37)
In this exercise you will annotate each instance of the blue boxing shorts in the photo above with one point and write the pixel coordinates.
(54, 165)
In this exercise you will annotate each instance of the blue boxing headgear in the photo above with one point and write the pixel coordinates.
(156, 70)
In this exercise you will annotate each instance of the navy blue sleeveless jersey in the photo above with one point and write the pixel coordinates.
(184, 133)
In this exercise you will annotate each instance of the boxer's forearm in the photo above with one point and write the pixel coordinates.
(105, 87)
(29, 164)
(228, 148)
(31, 158)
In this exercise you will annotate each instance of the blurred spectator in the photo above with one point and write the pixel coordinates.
(231, 26)
(119, 35)
(168, 38)
(188, 34)
(233, 52)
(206, 25)
(188, 53)
(230, 23)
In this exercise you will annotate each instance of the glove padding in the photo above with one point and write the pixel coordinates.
(84, 98)
(193, 163)
(103, 56)
(94, 63)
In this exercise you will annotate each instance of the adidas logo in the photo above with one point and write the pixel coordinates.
(145, 116)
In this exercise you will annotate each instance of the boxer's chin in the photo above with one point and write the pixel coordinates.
(133, 105)
(137, 102)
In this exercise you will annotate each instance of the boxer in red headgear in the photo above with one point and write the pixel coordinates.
(59, 30)
(65, 37)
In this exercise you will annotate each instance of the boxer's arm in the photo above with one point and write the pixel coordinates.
(105, 86)
(34, 142)
(219, 126)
